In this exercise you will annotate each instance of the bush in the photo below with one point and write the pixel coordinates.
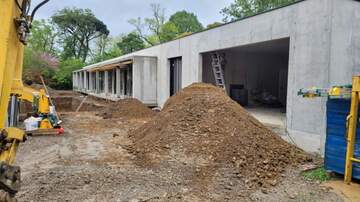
(38, 64)
(63, 77)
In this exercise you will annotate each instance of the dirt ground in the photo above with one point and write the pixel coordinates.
(92, 162)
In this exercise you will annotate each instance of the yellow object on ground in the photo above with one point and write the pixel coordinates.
(45, 124)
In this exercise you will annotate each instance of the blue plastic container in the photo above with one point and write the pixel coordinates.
(335, 146)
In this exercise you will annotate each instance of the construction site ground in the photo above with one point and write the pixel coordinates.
(91, 162)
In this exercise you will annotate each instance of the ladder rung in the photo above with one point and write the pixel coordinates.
(355, 160)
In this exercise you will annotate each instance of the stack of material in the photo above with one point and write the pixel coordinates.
(128, 108)
(204, 124)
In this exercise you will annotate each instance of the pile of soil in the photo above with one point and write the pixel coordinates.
(129, 108)
(203, 123)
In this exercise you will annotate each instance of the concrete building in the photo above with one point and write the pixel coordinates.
(273, 54)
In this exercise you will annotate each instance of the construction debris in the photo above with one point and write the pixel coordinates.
(203, 124)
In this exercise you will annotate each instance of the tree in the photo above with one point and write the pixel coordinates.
(169, 31)
(43, 37)
(78, 27)
(213, 25)
(130, 43)
(243, 8)
(63, 77)
(186, 22)
(105, 48)
(38, 64)
(153, 25)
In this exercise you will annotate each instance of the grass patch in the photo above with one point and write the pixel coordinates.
(318, 174)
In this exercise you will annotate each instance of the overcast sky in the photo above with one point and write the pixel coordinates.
(116, 13)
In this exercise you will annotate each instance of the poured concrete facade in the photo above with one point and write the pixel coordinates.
(324, 50)
(130, 77)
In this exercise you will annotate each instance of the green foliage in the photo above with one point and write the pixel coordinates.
(150, 25)
(318, 174)
(169, 31)
(156, 29)
(43, 37)
(105, 48)
(78, 27)
(243, 8)
(130, 43)
(213, 25)
(36, 66)
(186, 22)
(63, 77)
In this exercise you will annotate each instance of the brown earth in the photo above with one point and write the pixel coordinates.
(127, 108)
(92, 161)
(71, 103)
(204, 124)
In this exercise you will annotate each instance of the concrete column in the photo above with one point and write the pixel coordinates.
(76, 80)
(97, 81)
(80, 80)
(118, 82)
(106, 82)
(73, 80)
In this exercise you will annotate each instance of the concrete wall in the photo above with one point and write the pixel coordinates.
(144, 80)
(324, 50)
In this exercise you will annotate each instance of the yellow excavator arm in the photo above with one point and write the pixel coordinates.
(15, 23)
(11, 56)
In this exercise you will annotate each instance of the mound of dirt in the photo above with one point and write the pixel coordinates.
(203, 124)
(127, 108)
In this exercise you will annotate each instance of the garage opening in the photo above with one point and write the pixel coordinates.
(255, 76)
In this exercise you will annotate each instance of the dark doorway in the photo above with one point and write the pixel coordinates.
(126, 81)
(175, 75)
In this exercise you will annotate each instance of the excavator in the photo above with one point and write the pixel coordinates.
(15, 25)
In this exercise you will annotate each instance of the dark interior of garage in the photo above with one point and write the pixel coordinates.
(255, 75)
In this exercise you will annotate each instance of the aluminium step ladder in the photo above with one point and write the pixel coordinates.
(218, 69)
